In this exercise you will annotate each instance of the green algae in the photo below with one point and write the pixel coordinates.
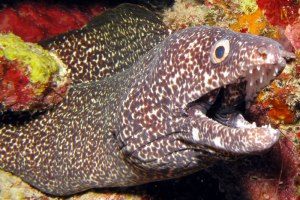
(247, 6)
(39, 62)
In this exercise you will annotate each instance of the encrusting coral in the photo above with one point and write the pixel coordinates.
(30, 77)
(185, 13)
(241, 16)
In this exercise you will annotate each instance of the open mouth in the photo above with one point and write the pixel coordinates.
(226, 103)
(222, 109)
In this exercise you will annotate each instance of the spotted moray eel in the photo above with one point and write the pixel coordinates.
(140, 108)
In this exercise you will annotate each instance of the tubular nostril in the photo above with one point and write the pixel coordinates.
(262, 50)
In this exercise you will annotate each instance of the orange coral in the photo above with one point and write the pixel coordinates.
(280, 112)
(254, 23)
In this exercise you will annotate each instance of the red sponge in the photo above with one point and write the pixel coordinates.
(280, 12)
(36, 21)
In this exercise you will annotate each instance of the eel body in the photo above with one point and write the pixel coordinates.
(147, 120)
(108, 44)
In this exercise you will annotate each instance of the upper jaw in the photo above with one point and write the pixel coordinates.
(260, 75)
(285, 55)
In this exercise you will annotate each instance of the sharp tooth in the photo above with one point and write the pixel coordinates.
(253, 125)
(267, 126)
(251, 71)
(258, 68)
(276, 70)
(251, 83)
(274, 74)
(261, 79)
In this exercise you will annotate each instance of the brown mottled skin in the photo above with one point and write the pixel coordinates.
(142, 124)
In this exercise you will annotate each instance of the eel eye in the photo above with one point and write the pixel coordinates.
(220, 51)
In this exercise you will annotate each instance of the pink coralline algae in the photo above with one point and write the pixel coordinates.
(292, 32)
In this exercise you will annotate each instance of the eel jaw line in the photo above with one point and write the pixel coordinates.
(244, 137)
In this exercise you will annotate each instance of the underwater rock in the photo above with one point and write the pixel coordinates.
(30, 77)
(14, 188)
(36, 21)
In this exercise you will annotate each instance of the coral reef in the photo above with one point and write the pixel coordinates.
(281, 12)
(247, 6)
(31, 77)
(253, 23)
(185, 13)
(242, 16)
(292, 32)
(35, 21)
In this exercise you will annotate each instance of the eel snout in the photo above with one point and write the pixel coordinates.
(286, 54)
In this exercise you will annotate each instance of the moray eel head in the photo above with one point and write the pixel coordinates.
(195, 71)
